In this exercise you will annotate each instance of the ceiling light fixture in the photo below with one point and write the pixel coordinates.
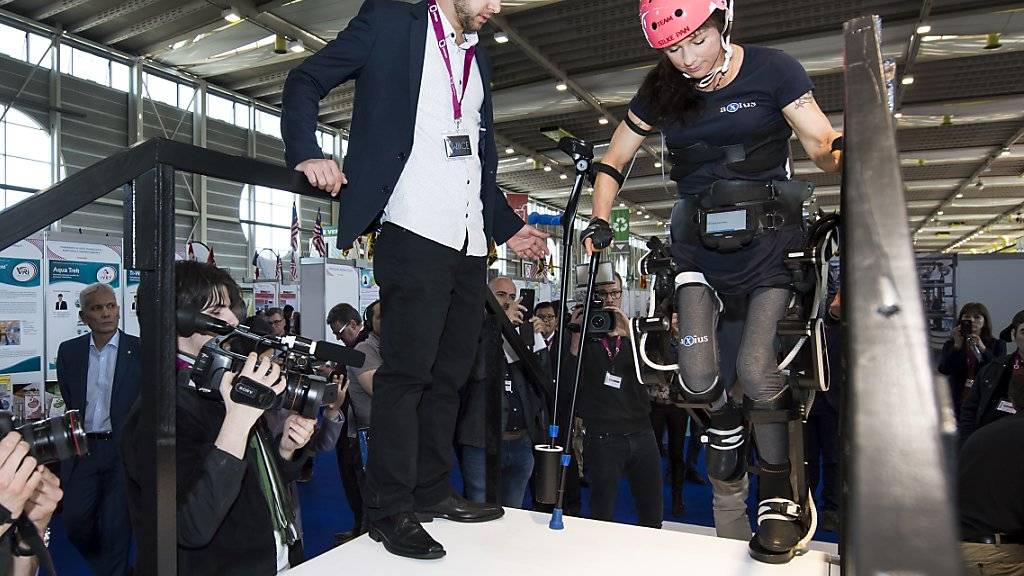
(179, 44)
(510, 150)
(924, 29)
(563, 177)
(657, 164)
(960, 195)
(547, 168)
(500, 37)
(898, 115)
(907, 80)
(296, 46)
(1004, 152)
(561, 87)
(602, 121)
(231, 15)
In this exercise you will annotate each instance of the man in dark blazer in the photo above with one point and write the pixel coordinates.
(98, 375)
(422, 160)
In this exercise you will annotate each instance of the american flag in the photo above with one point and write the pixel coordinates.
(294, 266)
(279, 271)
(318, 236)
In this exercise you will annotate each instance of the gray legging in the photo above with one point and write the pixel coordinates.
(757, 360)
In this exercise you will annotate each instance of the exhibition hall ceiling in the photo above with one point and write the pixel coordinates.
(572, 66)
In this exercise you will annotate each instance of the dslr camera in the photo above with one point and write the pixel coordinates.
(56, 439)
(305, 391)
(600, 321)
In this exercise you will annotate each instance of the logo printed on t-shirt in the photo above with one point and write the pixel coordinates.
(735, 106)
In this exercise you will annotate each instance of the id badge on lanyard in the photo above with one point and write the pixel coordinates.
(457, 145)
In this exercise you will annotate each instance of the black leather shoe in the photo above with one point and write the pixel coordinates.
(402, 535)
(458, 509)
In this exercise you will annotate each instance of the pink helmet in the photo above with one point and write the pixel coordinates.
(669, 21)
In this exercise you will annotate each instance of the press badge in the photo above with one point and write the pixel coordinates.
(457, 146)
(1007, 407)
(613, 381)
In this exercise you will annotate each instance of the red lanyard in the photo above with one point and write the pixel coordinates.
(608, 350)
(442, 45)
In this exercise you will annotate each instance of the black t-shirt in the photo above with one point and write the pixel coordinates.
(991, 480)
(620, 405)
(768, 81)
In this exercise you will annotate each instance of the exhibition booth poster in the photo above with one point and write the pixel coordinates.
(21, 320)
(288, 294)
(71, 266)
(264, 295)
(369, 292)
(130, 312)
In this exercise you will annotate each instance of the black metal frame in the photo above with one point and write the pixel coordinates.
(147, 173)
(899, 510)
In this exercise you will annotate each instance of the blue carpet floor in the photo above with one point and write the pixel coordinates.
(325, 512)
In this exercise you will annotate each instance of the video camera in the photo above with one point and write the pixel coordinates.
(305, 392)
(601, 320)
(56, 439)
(658, 263)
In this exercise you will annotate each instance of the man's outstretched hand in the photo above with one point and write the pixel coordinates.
(529, 243)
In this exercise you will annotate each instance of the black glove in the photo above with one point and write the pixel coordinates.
(599, 232)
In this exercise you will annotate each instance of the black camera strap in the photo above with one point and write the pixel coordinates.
(27, 532)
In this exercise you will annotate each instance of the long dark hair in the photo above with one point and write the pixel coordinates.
(978, 308)
(671, 96)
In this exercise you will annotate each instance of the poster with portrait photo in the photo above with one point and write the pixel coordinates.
(72, 264)
(21, 318)
(130, 310)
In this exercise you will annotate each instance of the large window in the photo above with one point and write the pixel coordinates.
(92, 67)
(266, 217)
(24, 46)
(227, 110)
(268, 123)
(160, 89)
(24, 157)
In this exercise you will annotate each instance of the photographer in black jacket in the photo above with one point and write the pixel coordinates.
(616, 408)
(988, 400)
(234, 516)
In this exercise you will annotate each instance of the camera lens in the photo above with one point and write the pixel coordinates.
(56, 439)
(305, 393)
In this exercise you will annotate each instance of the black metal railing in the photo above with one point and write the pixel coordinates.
(899, 513)
(147, 173)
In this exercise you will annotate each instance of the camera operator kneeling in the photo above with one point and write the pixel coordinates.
(233, 511)
(615, 408)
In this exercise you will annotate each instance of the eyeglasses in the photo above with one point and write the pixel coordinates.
(276, 322)
(546, 317)
(610, 294)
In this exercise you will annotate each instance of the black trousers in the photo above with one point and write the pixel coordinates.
(821, 450)
(347, 451)
(96, 508)
(609, 457)
(432, 307)
(671, 418)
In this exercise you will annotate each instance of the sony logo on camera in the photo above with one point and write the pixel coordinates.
(688, 340)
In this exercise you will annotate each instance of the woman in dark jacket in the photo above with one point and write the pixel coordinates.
(966, 352)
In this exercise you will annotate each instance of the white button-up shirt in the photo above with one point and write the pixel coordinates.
(437, 197)
(100, 383)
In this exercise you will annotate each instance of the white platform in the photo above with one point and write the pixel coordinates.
(521, 544)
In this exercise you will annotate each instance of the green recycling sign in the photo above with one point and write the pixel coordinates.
(620, 224)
